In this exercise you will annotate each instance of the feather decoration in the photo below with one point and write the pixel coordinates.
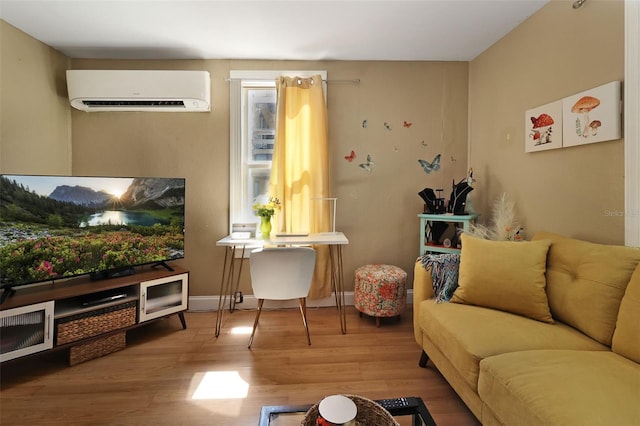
(504, 225)
(479, 230)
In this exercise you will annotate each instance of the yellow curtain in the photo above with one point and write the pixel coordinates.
(299, 170)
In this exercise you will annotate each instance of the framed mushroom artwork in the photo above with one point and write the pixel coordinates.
(543, 127)
(592, 116)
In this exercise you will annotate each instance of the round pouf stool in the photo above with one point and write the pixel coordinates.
(380, 291)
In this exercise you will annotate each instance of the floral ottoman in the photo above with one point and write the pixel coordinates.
(380, 291)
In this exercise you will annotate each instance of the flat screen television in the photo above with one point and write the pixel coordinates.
(57, 227)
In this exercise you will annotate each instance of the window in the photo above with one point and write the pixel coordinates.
(258, 130)
(252, 110)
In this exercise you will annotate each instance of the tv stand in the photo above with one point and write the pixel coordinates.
(162, 263)
(8, 291)
(89, 318)
(105, 275)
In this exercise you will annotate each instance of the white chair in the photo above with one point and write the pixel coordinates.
(282, 273)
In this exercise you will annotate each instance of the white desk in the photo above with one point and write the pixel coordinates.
(335, 241)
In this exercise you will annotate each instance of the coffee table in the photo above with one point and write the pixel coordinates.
(414, 413)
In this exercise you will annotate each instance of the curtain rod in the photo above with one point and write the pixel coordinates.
(353, 80)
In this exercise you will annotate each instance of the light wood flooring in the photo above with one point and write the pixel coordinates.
(170, 376)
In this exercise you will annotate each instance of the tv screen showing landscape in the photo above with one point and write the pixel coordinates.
(54, 227)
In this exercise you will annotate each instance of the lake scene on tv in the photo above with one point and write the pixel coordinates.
(53, 227)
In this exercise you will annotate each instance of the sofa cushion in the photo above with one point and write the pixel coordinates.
(561, 387)
(586, 281)
(468, 334)
(504, 275)
(626, 337)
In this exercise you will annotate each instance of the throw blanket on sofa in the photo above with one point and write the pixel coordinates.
(444, 272)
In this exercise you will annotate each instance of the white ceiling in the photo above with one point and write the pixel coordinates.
(456, 30)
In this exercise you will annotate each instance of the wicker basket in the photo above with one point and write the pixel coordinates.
(97, 348)
(89, 324)
(370, 413)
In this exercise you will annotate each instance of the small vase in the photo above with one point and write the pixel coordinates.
(265, 226)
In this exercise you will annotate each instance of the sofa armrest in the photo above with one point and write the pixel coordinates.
(422, 290)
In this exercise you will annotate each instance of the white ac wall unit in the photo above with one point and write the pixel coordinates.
(139, 90)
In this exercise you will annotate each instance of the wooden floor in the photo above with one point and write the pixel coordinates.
(170, 376)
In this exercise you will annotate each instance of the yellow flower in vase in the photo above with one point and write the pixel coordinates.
(265, 211)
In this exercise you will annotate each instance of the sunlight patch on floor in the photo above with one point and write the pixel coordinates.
(218, 385)
(241, 330)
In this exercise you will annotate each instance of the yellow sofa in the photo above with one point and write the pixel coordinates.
(580, 365)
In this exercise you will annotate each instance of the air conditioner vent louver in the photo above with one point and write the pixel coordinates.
(139, 90)
(134, 103)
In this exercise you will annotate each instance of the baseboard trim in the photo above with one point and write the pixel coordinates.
(210, 303)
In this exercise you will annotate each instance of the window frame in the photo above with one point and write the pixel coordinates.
(238, 170)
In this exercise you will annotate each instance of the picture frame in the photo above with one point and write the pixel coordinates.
(592, 116)
(543, 127)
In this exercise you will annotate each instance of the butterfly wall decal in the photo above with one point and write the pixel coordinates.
(433, 166)
(351, 156)
(368, 166)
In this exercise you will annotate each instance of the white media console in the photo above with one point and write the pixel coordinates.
(90, 318)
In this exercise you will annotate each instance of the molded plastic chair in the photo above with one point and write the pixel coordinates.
(282, 273)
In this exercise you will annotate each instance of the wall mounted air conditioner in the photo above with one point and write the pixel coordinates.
(139, 90)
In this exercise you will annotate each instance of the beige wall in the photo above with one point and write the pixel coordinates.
(377, 211)
(34, 114)
(558, 52)
(546, 58)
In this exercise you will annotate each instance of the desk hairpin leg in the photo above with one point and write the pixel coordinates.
(232, 296)
(228, 274)
(222, 298)
(343, 316)
(337, 283)
(334, 286)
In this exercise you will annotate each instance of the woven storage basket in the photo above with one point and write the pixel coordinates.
(370, 413)
(97, 348)
(96, 322)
